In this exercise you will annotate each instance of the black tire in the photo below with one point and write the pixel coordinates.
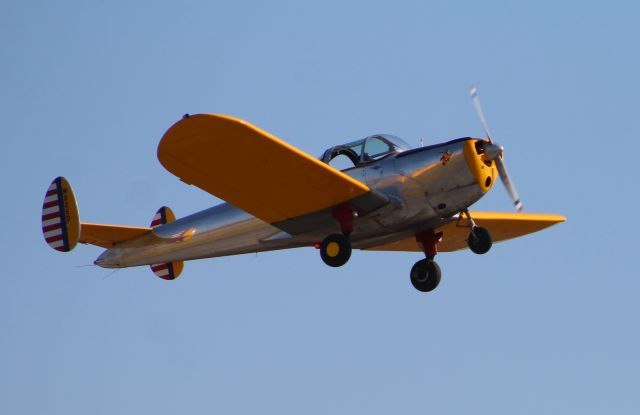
(335, 250)
(479, 240)
(425, 275)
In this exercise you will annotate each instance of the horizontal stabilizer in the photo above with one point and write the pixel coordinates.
(501, 225)
(108, 235)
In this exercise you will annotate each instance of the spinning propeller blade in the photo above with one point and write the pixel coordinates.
(511, 189)
(495, 153)
(473, 91)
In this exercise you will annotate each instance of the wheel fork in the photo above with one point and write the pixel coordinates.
(469, 218)
(472, 225)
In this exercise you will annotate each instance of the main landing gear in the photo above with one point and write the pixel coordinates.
(335, 249)
(425, 274)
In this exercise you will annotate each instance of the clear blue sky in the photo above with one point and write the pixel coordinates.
(544, 324)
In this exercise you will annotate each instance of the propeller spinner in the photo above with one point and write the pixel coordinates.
(495, 152)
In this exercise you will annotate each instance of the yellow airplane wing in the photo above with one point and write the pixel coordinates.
(252, 169)
(502, 225)
(107, 235)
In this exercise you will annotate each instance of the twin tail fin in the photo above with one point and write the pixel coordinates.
(60, 219)
(169, 270)
(62, 229)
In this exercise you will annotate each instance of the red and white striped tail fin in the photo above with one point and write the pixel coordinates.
(162, 216)
(171, 270)
(60, 220)
(168, 271)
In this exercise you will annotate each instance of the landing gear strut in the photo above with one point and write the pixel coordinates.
(479, 240)
(425, 274)
(335, 249)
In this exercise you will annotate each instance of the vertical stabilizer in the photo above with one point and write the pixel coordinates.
(60, 220)
(170, 270)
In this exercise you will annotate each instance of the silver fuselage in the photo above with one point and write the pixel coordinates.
(425, 186)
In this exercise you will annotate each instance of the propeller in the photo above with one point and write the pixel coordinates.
(495, 152)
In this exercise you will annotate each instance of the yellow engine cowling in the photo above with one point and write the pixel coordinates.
(483, 169)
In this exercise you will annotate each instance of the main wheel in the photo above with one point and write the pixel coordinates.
(335, 250)
(425, 275)
(479, 240)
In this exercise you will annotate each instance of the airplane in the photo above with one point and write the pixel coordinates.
(391, 197)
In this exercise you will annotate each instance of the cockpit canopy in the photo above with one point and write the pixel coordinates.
(374, 147)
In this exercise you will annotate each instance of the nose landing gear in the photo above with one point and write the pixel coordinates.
(479, 240)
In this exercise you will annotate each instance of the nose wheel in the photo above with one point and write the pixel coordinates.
(335, 250)
(479, 240)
